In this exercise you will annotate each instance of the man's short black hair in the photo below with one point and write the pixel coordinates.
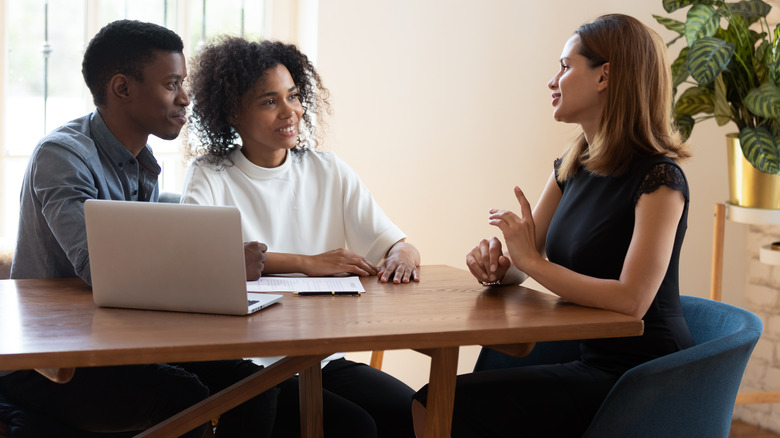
(124, 46)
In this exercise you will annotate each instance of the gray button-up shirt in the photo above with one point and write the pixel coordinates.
(78, 161)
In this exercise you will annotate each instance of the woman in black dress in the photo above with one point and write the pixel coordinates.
(606, 233)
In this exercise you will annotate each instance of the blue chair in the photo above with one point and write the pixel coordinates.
(686, 394)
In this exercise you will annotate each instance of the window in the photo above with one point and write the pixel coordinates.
(41, 63)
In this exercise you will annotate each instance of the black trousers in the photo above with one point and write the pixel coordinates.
(134, 398)
(358, 401)
(545, 401)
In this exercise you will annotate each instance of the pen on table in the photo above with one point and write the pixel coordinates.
(329, 292)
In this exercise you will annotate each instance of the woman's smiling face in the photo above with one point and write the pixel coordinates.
(578, 88)
(269, 117)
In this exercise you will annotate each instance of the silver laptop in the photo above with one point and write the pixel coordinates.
(160, 256)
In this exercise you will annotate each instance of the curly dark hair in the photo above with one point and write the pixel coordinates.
(124, 46)
(227, 69)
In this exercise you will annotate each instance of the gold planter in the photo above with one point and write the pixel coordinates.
(749, 187)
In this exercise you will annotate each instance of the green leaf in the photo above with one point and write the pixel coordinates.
(722, 109)
(757, 36)
(693, 101)
(680, 68)
(764, 52)
(673, 25)
(751, 9)
(673, 5)
(764, 101)
(684, 125)
(702, 21)
(774, 58)
(760, 149)
(733, 33)
(761, 61)
(707, 58)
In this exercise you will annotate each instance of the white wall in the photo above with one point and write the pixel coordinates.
(442, 108)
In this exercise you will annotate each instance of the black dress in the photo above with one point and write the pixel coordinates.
(589, 234)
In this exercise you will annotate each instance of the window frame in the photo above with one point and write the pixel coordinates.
(291, 21)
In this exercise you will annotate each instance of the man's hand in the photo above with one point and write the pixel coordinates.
(254, 256)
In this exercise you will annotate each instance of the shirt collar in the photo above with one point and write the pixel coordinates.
(254, 171)
(115, 150)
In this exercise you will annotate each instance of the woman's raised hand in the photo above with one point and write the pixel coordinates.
(519, 232)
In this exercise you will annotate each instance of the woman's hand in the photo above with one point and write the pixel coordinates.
(401, 264)
(487, 262)
(519, 233)
(338, 261)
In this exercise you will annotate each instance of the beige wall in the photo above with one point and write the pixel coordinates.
(442, 107)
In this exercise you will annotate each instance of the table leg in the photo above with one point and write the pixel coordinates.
(376, 359)
(441, 392)
(718, 231)
(310, 391)
(57, 375)
(232, 396)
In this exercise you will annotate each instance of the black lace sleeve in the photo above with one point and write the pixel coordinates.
(557, 166)
(663, 174)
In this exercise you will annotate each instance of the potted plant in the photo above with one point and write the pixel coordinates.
(732, 63)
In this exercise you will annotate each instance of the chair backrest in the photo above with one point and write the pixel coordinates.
(169, 197)
(690, 393)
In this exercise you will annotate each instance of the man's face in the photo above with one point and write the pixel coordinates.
(159, 102)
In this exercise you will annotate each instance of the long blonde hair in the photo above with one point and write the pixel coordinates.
(637, 119)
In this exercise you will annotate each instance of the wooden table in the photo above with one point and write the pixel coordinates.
(55, 324)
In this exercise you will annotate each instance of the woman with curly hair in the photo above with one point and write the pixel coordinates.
(303, 203)
(254, 110)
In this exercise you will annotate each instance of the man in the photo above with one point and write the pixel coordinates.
(135, 72)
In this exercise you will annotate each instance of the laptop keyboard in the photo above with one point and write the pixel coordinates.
(250, 302)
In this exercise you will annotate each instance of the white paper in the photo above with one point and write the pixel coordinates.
(305, 284)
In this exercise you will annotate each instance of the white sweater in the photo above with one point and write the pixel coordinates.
(313, 203)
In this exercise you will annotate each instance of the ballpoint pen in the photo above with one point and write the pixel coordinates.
(330, 292)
